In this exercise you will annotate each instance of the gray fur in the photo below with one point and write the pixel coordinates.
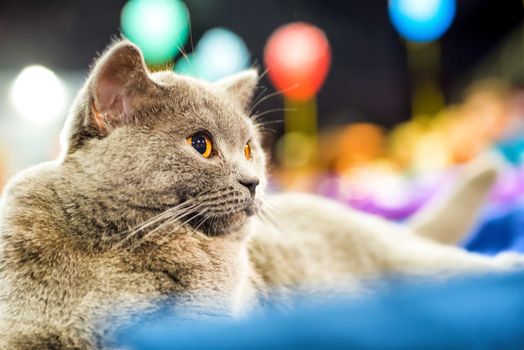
(132, 215)
(70, 249)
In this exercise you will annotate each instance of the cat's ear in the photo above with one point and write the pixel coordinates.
(241, 86)
(118, 78)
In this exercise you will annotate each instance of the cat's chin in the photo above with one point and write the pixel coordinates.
(226, 224)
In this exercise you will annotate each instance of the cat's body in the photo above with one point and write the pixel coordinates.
(132, 215)
(55, 282)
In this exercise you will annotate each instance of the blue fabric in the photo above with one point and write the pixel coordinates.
(481, 313)
(502, 229)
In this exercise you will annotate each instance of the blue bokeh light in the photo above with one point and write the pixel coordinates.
(219, 53)
(422, 20)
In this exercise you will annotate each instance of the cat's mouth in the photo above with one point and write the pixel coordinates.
(223, 224)
(244, 213)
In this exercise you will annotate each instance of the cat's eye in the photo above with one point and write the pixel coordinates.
(247, 151)
(201, 143)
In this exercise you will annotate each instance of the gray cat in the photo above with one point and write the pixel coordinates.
(154, 197)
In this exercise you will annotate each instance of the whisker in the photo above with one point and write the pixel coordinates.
(190, 31)
(255, 100)
(262, 75)
(183, 51)
(279, 121)
(268, 218)
(272, 226)
(274, 110)
(207, 216)
(266, 130)
(274, 212)
(166, 214)
(276, 93)
(163, 241)
(154, 219)
(169, 222)
(167, 211)
(262, 88)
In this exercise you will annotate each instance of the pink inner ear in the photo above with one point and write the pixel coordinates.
(109, 97)
(116, 79)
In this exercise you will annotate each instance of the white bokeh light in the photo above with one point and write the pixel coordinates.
(38, 94)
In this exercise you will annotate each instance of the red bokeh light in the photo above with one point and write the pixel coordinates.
(298, 57)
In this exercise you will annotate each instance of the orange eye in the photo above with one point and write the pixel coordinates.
(247, 151)
(201, 143)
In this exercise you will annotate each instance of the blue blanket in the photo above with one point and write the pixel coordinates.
(479, 313)
(501, 229)
(474, 313)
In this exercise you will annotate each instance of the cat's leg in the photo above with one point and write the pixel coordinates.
(448, 218)
(405, 253)
(398, 249)
(319, 239)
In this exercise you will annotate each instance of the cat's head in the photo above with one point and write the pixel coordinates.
(150, 141)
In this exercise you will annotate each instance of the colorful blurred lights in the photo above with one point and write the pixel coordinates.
(159, 27)
(298, 57)
(220, 53)
(38, 94)
(420, 10)
(186, 65)
(422, 20)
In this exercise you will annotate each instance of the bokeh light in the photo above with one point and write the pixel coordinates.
(38, 94)
(159, 27)
(187, 65)
(422, 20)
(219, 53)
(358, 144)
(296, 149)
(354, 150)
(298, 57)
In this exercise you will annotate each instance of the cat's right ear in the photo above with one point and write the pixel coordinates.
(118, 79)
(240, 86)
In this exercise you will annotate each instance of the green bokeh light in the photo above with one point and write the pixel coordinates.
(188, 65)
(158, 27)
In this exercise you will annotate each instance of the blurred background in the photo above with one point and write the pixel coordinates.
(373, 103)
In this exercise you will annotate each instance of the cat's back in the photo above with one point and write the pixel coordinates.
(31, 220)
(306, 239)
(53, 284)
(28, 194)
(31, 255)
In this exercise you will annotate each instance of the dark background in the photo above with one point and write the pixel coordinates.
(369, 79)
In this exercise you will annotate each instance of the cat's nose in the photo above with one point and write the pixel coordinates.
(250, 183)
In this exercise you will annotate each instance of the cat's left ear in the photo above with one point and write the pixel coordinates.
(119, 84)
(240, 86)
